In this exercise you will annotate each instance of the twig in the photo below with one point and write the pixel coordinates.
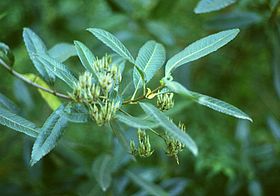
(20, 76)
(143, 96)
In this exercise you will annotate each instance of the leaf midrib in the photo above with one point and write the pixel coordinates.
(147, 65)
(18, 124)
(210, 45)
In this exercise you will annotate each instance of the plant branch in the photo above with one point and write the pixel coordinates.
(30, 82)
(142, 97)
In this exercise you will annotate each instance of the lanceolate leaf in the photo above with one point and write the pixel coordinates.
(205, 6)
(207, 101)
(17, 123)
(102, 171)
(170, 127)
(119, 133)
(149, 187)
(85, 55)
(62, 51)
(112, 42)
(200, 49)
(8, 104)
(136, 122)
(51, 100)
(49, 135)
(35, 46)
(150, 58)
(220, 106)
(76, 113)
(59, 69)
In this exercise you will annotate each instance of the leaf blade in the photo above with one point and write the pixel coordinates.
(59, 69)
(136, 122)
(49, 135)
(101, 169)
(220, 106)
(200, 49)
(18, 123)
(85, 55)
(205, 6)
(62, 51)
(207, 101)
(8, 104)
(34, 46)
(170, 127)
(150, 58)
(150, 187)
(112, 42)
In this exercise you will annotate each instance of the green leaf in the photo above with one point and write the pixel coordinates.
(170, 127)
(76, 113)
(8, 104)
(49, 135)
(62, 51)
(136, 122)
(207, 101)
(6, 54)
(59, 69)
(149, 187)
(51, 100)
(220, 106)
(205, 6)
(119, 133)
(35, 46)
(112, 42)
(200, 49)
(150, 59)
(85, 55)
(18, 123)
(102, 171)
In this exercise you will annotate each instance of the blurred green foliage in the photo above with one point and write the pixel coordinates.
(235, 158)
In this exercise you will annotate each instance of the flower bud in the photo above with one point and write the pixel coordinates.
(144, 148)
(165, 101)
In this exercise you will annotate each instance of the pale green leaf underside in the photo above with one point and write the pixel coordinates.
(112, 42)
(149, 187)
(49, 135)
(136, 122)
(59, 69)
(102, 171)
(205, 6)
(18, 123)
(207, 101)
(170, 127)
(200, 49)
(34, 46)
(150, 59)
(62, 51)
(85, 55)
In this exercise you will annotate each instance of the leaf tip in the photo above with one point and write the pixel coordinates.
(32, 162)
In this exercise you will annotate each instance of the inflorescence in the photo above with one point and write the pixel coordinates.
(95, 90)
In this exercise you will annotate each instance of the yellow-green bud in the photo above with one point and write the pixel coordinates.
(165, 101)
(144, 148)
(173, 146)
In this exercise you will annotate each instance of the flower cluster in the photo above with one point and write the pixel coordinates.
(144, 147)
(94, 90)
(173, 146)
(165, 101)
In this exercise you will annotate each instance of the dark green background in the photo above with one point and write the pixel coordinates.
(240, 73)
